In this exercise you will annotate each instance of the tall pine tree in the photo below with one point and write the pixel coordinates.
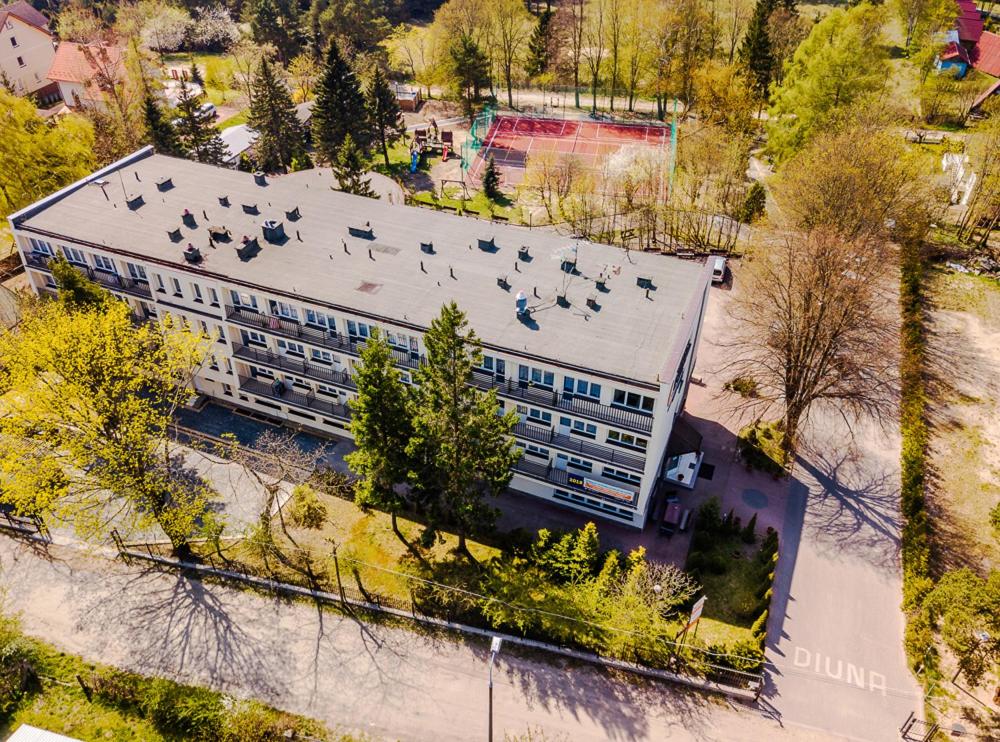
(280, 138)
(756, 54)
(461, 450)
(539, 46)
(159, 131)
(381, 426)
(491, 180)
(198, 137)
(340, 108)
(349, 170)
(271, 23)
(383, 111)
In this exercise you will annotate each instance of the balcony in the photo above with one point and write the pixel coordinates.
(549, 474)
(109, 280)
(576, 445)
(315, 371)
(563, 402)
(307, 401)
(289, 328)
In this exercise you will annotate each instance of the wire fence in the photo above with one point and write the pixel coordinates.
(432, 602)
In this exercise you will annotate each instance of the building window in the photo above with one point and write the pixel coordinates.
(105, 264)
(196, 289)
(622, 476)
(574, 463)
(290, 348)
(581, 388)
(633, 401)
(319, 319)
(159, 283)
(536, 376)
(284, 310)
(627, 440)
(250, 337)
(537, 451)
(214, 363)
(329, 391)
(258, 371)
(204, 328)
(578, 427)
(495, 366)
(177, 287)
(297, 382)
(213, 297)
(74, 256)
(137, 272)
(247, 301)
(41, 247)
(540, 416)
(359, 329)
(229, 365)
(20, 62)
(227, 390)
(220, 334)
(322, 356)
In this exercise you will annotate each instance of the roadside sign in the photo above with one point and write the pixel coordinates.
(696, 612)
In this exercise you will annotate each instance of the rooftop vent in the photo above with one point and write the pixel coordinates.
(366, 232)
(427, 247)
(523, 253)
(247, 247)
(561, 299)
(250, 209)
(188, 218)
(192, 254)
(644, 282)
(274, 231)
(175, 234)
(164, 183)
(592, 302)
(568, 265)
(224, 201)
(521, 304)
(601, 283)
(259, 178)
(134, 200)
(220, 233)
(503, 283)
(489, 245)
(293, 215)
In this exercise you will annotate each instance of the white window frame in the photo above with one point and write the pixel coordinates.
(213, 297)
(176, 285)
(252, 337)
(281, 309)
(75, 255)
(322, 356)
(105, 264)
(41, 247)
(197, 293)
(136, 272)
(291, 348)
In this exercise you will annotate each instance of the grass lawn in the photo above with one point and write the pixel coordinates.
(732, 594)
(478, 204)
(240, 118)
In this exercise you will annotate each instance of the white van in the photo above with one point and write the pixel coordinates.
(718, 269)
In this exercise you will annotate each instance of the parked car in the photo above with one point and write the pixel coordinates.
(719, 270)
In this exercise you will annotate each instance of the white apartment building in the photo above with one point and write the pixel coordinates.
(593, 347)
(26, 47)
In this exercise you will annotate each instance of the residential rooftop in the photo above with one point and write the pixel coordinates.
(388, 261)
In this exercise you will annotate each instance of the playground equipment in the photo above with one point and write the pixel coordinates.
(430, 139)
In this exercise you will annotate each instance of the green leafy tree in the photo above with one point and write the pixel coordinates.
(89, 400)
(76, 291)
(349, 170)
(842, 61)
(159, 131)
(384, 114)
(469, 71)
(18, 663)
(461, 447)
(270, 25)
(280, 138)
(381, 426)
(540, 46)
(491, 180)
(340, 107)
(198, 137)
(38, 157)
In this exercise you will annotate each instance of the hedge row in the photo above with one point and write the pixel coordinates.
(916, 548)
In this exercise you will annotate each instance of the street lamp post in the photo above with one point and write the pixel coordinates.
(494, 651)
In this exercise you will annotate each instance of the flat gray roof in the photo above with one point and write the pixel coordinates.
(629, 332)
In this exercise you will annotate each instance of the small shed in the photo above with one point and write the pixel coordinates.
(408, 97)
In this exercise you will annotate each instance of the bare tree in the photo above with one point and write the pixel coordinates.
(572, 16)
(815, 325)
(593, 47)
(511, 28)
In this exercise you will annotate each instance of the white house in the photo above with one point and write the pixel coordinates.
(26, 48)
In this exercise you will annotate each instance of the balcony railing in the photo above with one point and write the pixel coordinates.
(289, 328)
(308, 401)
(316, 371)
(109, 280)
(563, 402)
(560, 477)
(574, 444)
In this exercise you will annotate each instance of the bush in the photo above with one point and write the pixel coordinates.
(710, 515)
(116, 687)
(18, 659)
(754, 204)
(744, 655)
(252, 721)
(759, 628)
(307, 511)
(760, 447)
(195, 713)
(742, 385)
(749, 532)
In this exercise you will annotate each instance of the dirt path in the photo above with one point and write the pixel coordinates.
(387, 681)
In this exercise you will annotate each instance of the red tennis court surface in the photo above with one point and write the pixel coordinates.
(512, 140)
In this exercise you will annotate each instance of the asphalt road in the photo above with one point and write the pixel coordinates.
(388, 681)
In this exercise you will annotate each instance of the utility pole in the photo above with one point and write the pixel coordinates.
(494, 651)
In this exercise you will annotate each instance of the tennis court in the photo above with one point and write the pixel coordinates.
(512, 140)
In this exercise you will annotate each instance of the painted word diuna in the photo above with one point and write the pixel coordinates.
(839, 670)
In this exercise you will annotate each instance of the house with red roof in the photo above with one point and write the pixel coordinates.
(970, 45)
(86, 73)
(26, 50)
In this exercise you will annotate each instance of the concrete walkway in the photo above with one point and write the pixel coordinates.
(388, 681)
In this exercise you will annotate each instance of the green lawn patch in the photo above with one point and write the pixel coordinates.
(239, 118)
(760, 447)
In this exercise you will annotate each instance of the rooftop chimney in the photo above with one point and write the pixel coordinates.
(164, 183)
(259, 178)
(192, 254)
(274, 231)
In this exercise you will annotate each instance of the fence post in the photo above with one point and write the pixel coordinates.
(336, 568)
